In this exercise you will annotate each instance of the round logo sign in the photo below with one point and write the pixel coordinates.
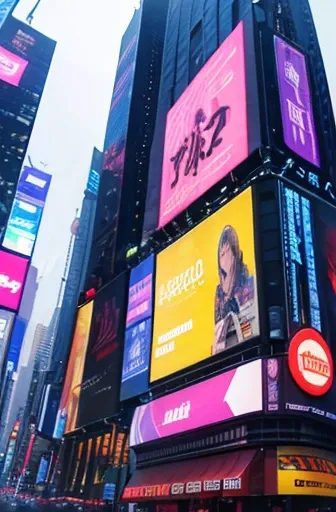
(310, 362)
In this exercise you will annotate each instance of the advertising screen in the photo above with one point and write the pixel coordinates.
(42, 471)
(22, 227)
(93, 182)
(138, 335)
(301, 469)
(33, 186)
(5, 8)
(12, 67)
(68, 408)
(284, 396)
(296, 106)
(100, 387)
(207, 130)
(229, 395)
(6, 323)
(49, 410)
(206, 293)
(13, 270)
(15, 345)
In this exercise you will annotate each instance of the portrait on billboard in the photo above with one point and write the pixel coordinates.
(206, 301)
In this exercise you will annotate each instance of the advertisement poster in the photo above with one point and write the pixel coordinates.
(296, 107)
(138, 336)
(206, 297)
(68, 408)
(22, 227)
(284, 396)
(229, 395)
(33, 186)
(12, 67)
(13, 270)
(206, 132)
(302, 469)
(100, 387)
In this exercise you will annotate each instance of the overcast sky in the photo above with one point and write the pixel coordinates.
(71, 120)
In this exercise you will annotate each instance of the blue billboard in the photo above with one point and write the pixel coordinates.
(42, 471)
(6, 7)
(33, 186)
(22, 227)
(93, 182)
(138, 333)
(15, 345)
(49, 410)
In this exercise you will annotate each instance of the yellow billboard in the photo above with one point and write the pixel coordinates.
(306, 471)
(206, 291)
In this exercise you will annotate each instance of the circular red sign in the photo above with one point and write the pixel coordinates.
(310, 362)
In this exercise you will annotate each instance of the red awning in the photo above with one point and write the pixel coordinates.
(232, 474)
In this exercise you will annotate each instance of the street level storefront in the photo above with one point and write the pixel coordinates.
(280, 479)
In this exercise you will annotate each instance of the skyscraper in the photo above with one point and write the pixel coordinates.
(30, 52)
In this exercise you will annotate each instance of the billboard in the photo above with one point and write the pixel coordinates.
(296, 106)
(15, 345)
(6, 323)
(138, 335)
(68, 408)
(12, 67)
(22, 227)
(229, 395)
(283, 396)
(6, 7)
(301, 469)
(51, 401)
(13, 270)
(100, 386)
(93, 182)
(206, 293)
(207, 129)
(33, 186)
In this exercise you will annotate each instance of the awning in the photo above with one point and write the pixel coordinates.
(233, 474)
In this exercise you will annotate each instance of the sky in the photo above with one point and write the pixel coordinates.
(71, 120)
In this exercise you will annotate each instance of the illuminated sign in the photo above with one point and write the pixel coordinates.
(206, 293)
(5, 8)
(310, 362)
(296, 106)
(138, 335)
(232, 394)
(33, 186)
(13, 271)
(304, 470)
(12, 67)
(93, 182)
(207, 129)
(22, 227)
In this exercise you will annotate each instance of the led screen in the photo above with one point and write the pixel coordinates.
(42, 471)
(5, 8)
(12, 67)
(296, 107)
(33, 186)
(227, 396)
(93, 182)
(13, 270)
(68, 408)
(22, 227)
(138, 335)
(100, 387)
(206, 132)
(15, 345)
(49, 410)
(206, 290)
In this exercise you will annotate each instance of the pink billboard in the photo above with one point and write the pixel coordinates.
(206, 130)
(13, 270)
(11, 67)
(229, 395)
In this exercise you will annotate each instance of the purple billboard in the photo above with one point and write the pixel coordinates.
(33, 186)
(296, 107)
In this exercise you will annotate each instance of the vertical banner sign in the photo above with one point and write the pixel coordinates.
(296, 107)
(138, 331)
(207, 132)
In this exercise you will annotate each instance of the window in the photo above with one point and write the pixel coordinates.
(196, 57)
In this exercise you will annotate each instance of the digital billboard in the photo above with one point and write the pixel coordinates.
(22, 227)
(12, 67)
(206, 130)
(296, 106)
(232, 394)
(6, 323)
(68, 408)
(33, 186)
(206, 297)
(284, 396)
(138, 335)
(50, 405)
(93, 182)
(15, 344)
(6, 7)
(100, 386)
(302, 470)
(13, 270)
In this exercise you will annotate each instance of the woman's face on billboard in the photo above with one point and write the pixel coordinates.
(227, 267)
